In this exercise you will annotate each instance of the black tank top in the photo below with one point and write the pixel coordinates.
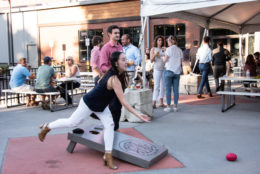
(99, 97)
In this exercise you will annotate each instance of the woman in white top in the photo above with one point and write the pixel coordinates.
(157, 54)
(71, 71)
(173, 59)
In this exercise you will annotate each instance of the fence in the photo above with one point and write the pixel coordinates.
(5, 78)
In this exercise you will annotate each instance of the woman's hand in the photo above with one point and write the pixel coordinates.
(145, 118)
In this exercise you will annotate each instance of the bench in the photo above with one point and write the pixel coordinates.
(87, 87)
(233, 93)
(87, 81)
(50, 94)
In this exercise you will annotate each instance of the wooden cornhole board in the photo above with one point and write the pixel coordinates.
(133, 150)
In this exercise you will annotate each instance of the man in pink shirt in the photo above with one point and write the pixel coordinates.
(106, 51)
(110, 47)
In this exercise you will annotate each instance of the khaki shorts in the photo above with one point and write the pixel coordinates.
(23, 88)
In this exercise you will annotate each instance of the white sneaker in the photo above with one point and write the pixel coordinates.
(167, 109)
(175, 109)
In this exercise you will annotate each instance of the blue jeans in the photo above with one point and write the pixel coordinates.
(171, 80)
(204, 69)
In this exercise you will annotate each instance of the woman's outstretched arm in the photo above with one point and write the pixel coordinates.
(116, 85)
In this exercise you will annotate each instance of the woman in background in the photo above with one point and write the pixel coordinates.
(173, 59)
(156, 56)
(97, 42)
(71, 71)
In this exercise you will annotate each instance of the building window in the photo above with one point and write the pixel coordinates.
(84, 52)
(177, 30)
(221, 32)
(134, 33)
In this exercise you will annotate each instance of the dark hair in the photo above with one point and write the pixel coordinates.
(156, 39)
(111, 27)
(256, 54)
(206, 39)
(128, 37)
(195, 43)
(46, 60)
(250, 60)
(220, 43)
(122, 77)
(96, 40)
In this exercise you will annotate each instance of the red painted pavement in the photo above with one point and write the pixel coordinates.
(30, 156)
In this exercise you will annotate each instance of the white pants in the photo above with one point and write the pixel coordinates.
(158, 84)
(82, 113)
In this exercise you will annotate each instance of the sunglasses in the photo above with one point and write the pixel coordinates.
(68, 59)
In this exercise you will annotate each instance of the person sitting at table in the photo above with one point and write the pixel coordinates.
(18, 81)
(71, 71)
(257, 61)
(249, 69)
(250, 66)
(44, 81)
(97, 101)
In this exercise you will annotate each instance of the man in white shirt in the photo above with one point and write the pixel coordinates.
(204, 56)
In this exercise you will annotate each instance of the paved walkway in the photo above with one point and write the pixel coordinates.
(199, 136)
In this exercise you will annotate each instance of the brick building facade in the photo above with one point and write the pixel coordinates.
(67, 24)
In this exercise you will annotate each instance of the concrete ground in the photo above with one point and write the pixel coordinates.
(199, 136)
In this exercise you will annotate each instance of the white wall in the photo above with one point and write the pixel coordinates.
(18, 36)
(257, 41)
(24, 33)
(30, 37)
(4, 52)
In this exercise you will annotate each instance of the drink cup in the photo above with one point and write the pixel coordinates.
(58, 75)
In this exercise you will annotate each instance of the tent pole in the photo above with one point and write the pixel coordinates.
(144, 23)
(142, 49)
(240, 50)
(148, 32)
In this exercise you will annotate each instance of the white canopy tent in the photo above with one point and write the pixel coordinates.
(241, 16)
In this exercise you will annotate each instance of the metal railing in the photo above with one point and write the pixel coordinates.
(5, 78)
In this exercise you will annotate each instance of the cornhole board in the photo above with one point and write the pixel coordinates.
(133, 150)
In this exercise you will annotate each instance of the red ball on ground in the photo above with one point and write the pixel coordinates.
(231, 157)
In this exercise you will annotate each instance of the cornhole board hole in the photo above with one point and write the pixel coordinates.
(133, 150)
